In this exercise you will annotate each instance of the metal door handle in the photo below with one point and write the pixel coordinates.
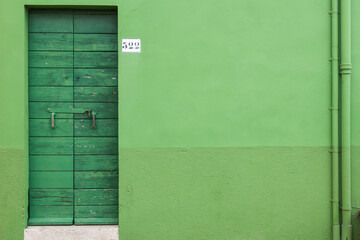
(93, 119)
(75, 110)
(53, 120)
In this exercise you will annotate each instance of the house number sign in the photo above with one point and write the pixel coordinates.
(131, 45)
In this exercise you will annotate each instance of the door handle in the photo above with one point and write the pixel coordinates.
(74, 110)
(93, 119)
(52, 120)
(89, 112)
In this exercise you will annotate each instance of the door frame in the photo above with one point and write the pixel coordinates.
(62, 4)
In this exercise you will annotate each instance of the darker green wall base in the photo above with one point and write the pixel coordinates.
(355, 191)
(225, 193)
(12, 194)
(204, 193)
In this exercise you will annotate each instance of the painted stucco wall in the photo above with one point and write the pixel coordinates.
(224, 119)
(13, 126)
(355, 118)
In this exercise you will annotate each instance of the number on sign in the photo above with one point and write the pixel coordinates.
(131, 45)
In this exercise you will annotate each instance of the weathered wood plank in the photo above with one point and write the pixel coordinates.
(96, 221)
(96, 211)
(98, 145)
(54, 94)
(95, 23)
(53, 197)
(95, 42)
(51, 215)
(96, 179)
(39, 109)
(96, 162)
(51, 59)
(51, 211)
(103, 110)
(50, 77)
(51, 163)
(51, 41)
(96, 94)
(51, 179)
(42, 128)
(96, 12)
(96, 77)
(39, 221)
(95, 59)
(51, 21)
(51, 145)
(104, 128)
(85, 197)
(51, 11)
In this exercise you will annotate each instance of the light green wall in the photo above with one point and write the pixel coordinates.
(13, 127)
(224, 120)
(355, 118)
(225, 74)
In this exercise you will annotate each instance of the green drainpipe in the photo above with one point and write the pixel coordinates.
(345, 67)
(335, 118)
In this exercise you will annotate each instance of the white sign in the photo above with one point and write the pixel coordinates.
(131, 45)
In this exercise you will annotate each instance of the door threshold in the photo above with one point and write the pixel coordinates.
(83, 232)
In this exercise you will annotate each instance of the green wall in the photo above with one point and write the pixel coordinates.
(355, 118)
(224, 121)
(13, 122)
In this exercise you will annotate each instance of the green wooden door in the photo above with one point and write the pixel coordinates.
(73, 117)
